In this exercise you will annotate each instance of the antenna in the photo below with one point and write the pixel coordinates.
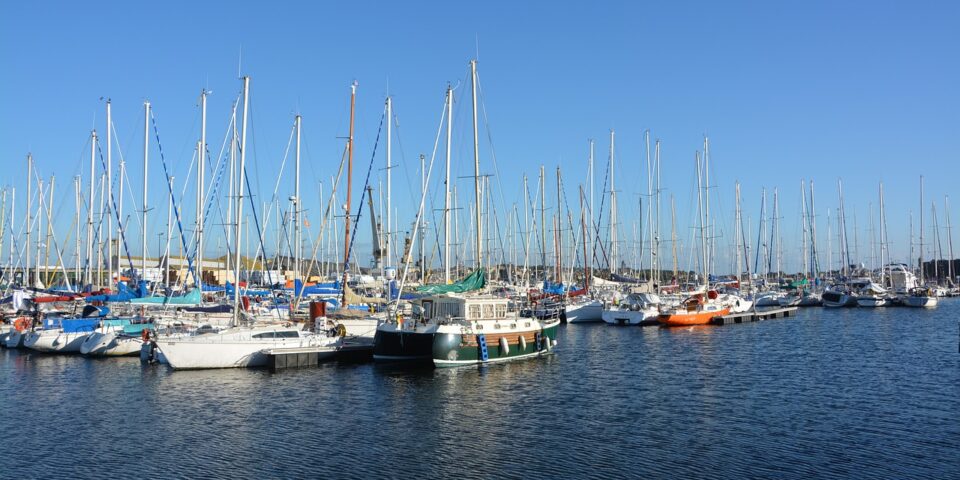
(240, 62)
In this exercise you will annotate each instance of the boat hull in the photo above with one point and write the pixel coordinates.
(629, 317)
(111, 344)
(585, 312)
(919, 302)
(455, 345)
(872, 302)
(14, 339)
(391, 344)
(683, 319)
(55, 341)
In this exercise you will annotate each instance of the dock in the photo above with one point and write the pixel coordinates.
(755, 316)
(352, 350)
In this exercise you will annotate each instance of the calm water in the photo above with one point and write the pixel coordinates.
(849, 393)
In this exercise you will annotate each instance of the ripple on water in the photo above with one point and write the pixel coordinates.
(829, 393)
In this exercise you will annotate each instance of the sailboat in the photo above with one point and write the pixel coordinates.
(920, 296)
(703, 306)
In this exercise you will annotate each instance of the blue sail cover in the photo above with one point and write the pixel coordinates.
(79, 325)
(124, 293)
(330, 288)
(623, 278)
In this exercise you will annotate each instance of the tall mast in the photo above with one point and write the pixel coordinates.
(48, 217)
(673, 236)
(240, 185)
(297, 232)
(109, 196)
(656, 226)
(543, 225)
(36, 266)
(559, 236)
(883, 239)
(700, 213)
(231, 246)
(93, 148)
(27, 278)
(583, 233)
(649, 231)
(593, 236)
(708, 253)
(736, 231)
(201, 178)
(77, 243)
(143, 213)
(169, 234)
(346, 217)
(476, 162)
(946, 204)
(387, 243)
(613, 213)
(446, 189)
(921, 231)
(803, 223)
(776, 226)
(815, 261)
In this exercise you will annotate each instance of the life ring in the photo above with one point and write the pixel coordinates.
(21, 324)
(341, 330)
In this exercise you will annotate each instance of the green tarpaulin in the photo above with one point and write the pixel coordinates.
(474, 281)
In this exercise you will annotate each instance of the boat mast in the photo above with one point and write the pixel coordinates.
(655, 264)
(297, 232)
(27, 278)
(814, 260)
(700, 214)
(613, 212)
(46, 248)
(240, 184)
(805, 260)
(543, 224)
(346, 217)
(593, 237)
(673, 236)
(476, 163)
(36, 261)
(109, 196)
(736, 230)
(708, 253)
(946, 204)
(89, 266)
(201, 178)
(387, 236)
(446, 189)
(559, 274)
(583, 232)
(883, 239)
(921, 232)
(143, 213)
(649, 231)
(77, 244)
(776, 226)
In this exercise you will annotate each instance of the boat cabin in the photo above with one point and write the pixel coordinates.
(452, 307)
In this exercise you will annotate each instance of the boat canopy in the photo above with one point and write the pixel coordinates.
(474, 281)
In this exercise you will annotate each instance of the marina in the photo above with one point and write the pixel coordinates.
(744, 397)
(496, 240)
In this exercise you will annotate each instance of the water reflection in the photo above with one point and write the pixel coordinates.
(785, 398)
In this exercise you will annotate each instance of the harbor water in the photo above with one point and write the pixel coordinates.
(849, 393)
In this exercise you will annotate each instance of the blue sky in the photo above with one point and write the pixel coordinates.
(863, 91)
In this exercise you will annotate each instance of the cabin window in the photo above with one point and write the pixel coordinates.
(263, 335)
(286, 334)
(488, 311)
(501, 310)
(474, 312)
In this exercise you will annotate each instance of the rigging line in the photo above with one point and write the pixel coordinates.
(363, 194)
(113, 206)
(173, 200)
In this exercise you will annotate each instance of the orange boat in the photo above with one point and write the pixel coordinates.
(693, 311)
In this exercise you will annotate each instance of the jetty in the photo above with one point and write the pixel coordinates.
(754, 316)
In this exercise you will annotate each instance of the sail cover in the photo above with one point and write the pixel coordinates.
(474, 281)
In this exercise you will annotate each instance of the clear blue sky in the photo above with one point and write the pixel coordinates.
(863, 91)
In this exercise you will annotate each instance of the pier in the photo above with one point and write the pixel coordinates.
(755, 316)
